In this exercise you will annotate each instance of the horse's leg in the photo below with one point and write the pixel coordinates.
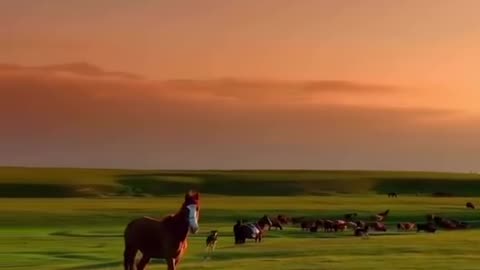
(143, 262)
(171, 264)
(129, 258)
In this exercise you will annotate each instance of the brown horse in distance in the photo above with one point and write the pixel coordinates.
(278, 221)
(307, 224)
(162, 238)
(378, 226)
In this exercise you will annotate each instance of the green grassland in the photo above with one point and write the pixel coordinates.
(82, 227)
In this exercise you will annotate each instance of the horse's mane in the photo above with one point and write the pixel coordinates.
(161, 219)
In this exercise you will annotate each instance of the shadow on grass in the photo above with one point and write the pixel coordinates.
(431, 186)
(21, 190)
(160, 185)
(85, 235)
(108, 265)
(13, 190)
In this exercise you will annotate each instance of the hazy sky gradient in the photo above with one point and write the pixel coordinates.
(240, 84)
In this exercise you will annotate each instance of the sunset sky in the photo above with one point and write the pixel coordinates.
(247, 84)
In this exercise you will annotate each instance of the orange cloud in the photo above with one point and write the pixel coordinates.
(91, 118)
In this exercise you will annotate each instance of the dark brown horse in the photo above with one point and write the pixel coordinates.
(318, 223)
(392, 194)
(243, 231)
(162, 238)
(427, 227)
(449, 224)
(278, 221)
(307, 224)
(283, 219)
(470, 205)
(329, 225)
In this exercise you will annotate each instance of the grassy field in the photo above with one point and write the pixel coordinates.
(85, 232)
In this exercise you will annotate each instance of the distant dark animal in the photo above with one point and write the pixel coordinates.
(392, 194)
(318, 223)
(470, 205)
(334, 226)
(251, 230)
(427, 227)
(361, 231)
(307, 224)
(283, 219)
(275, 224)
(360, 224)
(161, 238)
(329, 226)
(444, 223)
(461, 224)
(211, 242)
(406, 226)
(278, 221)
(350, 216)
(450, 224)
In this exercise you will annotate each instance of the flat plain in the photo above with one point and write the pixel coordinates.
(81, 228)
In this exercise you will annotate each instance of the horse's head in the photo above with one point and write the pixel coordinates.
(192, 205)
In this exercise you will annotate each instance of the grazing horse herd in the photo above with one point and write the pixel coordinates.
(350, 221)
(244, 230)
(166, 238)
